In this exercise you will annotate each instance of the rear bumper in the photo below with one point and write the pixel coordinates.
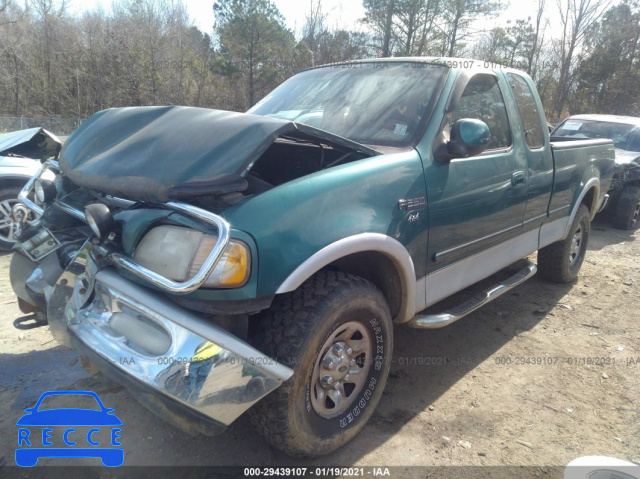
(187, 370)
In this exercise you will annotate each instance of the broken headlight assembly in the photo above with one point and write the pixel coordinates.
(178, 253)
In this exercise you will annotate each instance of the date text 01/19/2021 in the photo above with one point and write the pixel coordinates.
(316, 472)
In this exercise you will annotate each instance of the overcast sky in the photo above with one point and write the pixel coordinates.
(340, 13)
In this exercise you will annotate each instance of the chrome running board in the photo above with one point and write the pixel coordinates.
(434, 321)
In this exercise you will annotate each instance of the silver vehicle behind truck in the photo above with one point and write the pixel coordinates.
(624, 204)
(21, 154)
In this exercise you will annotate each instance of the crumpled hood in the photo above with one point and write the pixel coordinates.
(36, 143)
(155, 153)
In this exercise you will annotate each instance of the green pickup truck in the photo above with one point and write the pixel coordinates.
(219, 262)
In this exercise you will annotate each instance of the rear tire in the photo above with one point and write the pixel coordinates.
(626, 215)
(560, 262)
(335, 329)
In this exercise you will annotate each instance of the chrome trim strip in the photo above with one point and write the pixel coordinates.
(124, 203)
(361, 243)
(221, 384)
(208, 265)
(26, 190)
(562, 208)
(442, 254)
(23, 196)
(70, 210)
(435, 321)
(536, 218)
(456, 277)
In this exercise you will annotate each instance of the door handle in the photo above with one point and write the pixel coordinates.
(518, 178)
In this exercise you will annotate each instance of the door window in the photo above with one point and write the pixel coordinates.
(482, 100)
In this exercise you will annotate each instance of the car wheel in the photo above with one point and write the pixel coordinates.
(560, 262)
(627, 211)
(8, 198)
(336, 333)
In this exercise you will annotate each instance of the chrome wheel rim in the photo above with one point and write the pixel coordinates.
(576, 246)
(341, 369)
(6, 220)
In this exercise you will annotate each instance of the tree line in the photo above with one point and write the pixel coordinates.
(584, 55)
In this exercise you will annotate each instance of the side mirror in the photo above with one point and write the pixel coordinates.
(469, 137)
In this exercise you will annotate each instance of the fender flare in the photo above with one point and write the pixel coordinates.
(593, 182)
(361, 243)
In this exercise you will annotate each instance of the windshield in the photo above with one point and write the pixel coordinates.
(371, 103)
(625, 136)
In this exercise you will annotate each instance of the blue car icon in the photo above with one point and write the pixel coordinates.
(29, 450)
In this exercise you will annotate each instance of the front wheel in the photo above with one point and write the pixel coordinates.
(336, 333)
(560, 262)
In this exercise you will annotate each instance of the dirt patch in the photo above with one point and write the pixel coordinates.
(541, 376)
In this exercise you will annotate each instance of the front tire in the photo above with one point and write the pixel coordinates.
(560, 262)
(336, 333)
(626, 215)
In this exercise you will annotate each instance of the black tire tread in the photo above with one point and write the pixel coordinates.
(551, 258)
(281, 331)
(625, 208)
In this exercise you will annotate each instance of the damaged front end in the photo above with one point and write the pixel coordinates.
(627, 172)
(118, 262)
(184, 367)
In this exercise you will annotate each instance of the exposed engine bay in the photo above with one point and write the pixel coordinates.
(134, 167)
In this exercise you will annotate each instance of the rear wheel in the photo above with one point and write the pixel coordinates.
(627, 210)
(560, 262)
(336, 333)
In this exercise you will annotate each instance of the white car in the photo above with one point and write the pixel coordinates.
(20, 155)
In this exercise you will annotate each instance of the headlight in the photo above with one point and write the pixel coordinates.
(45, 191)
(99, 219)
(178, 253)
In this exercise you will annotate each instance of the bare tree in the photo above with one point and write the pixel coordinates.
(577, 16)
(538, 39)
(459, 14)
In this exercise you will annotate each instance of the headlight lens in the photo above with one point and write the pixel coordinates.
(99, 219)
(178, 253)
(45, 191)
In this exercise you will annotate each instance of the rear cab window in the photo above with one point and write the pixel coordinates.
(529, 114)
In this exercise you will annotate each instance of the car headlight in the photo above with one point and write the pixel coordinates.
(45, 191)
(178, 253)
(99, 219)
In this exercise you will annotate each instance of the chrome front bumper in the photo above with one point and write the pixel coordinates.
(166, 349)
